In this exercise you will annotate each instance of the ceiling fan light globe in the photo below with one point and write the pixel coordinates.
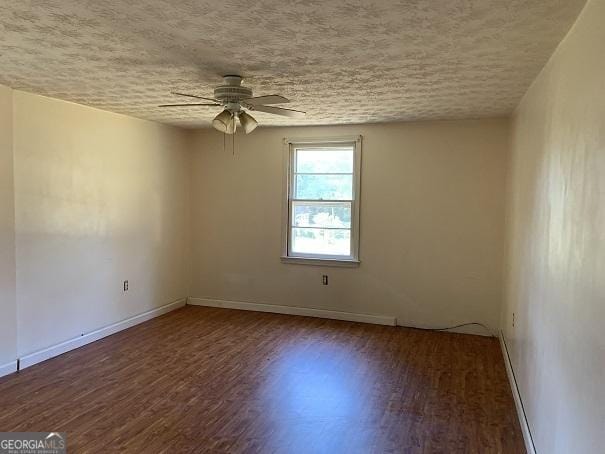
(224, 122)
(248, 122)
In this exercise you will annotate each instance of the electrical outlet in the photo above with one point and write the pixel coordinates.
(324, 279)
(125, 286)
(513, 319)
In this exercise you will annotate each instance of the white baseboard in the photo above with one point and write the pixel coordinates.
(529, 443)
(71, 344)
(8, 368)
(292, 310)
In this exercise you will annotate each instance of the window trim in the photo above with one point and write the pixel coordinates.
(315, 259)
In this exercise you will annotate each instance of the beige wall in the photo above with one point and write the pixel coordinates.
(100, 198)
(432, 207)
(556, 285)
(8, 311)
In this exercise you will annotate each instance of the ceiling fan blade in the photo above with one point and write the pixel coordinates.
(279, 111)
(193, 96)
(185, 105)
(269, 99)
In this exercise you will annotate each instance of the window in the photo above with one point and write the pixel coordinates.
(321, 209)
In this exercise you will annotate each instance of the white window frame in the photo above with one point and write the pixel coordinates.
(320, 259)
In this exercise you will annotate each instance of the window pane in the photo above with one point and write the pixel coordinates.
(322, 160)
(324, 187)
(321, 241)
(305, 214)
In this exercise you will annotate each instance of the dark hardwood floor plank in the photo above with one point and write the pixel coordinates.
(225, 381)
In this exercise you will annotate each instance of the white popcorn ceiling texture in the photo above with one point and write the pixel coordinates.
(342, 61)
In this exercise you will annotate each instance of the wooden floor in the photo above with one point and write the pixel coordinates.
(217, 380)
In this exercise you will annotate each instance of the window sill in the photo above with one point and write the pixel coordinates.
(321, 262)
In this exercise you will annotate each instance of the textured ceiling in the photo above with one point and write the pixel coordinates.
(343, 61)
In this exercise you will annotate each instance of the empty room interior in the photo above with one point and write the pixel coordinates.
(302, 227)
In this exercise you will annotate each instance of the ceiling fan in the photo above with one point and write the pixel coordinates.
(234, 98)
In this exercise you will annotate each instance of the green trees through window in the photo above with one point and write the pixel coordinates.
(321, 200)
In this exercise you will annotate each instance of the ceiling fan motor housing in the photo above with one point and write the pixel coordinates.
(232, 91)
